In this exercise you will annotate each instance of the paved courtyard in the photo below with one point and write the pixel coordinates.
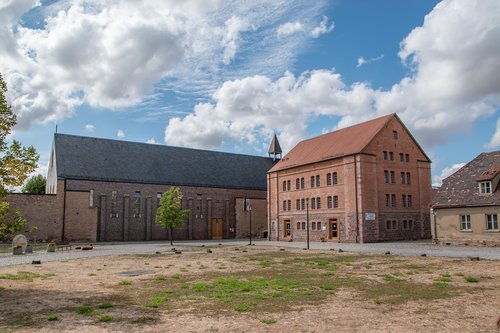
(414, 248)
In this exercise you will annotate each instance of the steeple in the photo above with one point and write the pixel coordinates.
(275, 148)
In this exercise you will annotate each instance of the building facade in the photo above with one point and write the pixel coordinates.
(466, 207)
(365, 183)
(109, 190)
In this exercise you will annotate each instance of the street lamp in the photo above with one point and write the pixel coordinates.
(307, 221)
(250, 210)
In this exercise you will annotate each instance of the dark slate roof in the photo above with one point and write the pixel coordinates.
(88, 158)
(275, 147)
(461, 189)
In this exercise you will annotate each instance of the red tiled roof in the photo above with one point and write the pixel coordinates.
(490, 173)
(343, 142)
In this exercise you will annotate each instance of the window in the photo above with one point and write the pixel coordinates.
(391, 156)
(297, 204)
(303, 226)
(395, 135)
(137, 204)
(335, 178)
(297, 183)
(405, 224)
(408, 178)
(303, 204)
(329, 201)
(313, 226)
(313, 203)
(318, 203)
(393, 178)
(408, 201)
(401, 157)
(410, 224)
(298, 225)
(465, 222)
(284, 185)
(387, 200)
(312, 181)
(407, 158)
(403, 200)
(328, 179)
(288, 185)
(335, 201)
(403, 178)
(393, 200)
(492, 222)
(388, 225)
(485, 187)
(318, 182)
(302, 183)
(385, 155)
(284, 204)
(289, 204)
(91, 197)
(394, 225)
(114, 204)
(387, 180)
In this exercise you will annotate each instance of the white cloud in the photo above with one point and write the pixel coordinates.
(120, 134)
(152, 141)
(289, 28)
(454, 57)
(446, 172)
(89, 128)
(322, 28)
(233, 27)
(495, 140)
(362, 61)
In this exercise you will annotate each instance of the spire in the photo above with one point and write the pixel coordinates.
(275, 148)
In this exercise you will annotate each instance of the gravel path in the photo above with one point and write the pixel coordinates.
(415, 248)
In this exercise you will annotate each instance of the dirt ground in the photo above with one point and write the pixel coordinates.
(446, 302)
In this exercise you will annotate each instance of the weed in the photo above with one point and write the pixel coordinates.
(176, 276)
(200, 287)
(2, 288)
(160, 278)
(105, 305)
(85, 310)
(184, 286)
(168, 291)
(470, 279)
(105, 318)
(244, 307)
(459, 274)
(184, 270)
(377, 301)
(125, 283)
(25, 276)
(389, 278)
(92, 274)
(441, 284)
(156, 301)
(265, 263)
(202, 267)
(326, 287)
(269, 321)
(52, 317)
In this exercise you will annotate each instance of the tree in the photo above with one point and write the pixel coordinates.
(35, 185)
(169, 214)
(16, 163)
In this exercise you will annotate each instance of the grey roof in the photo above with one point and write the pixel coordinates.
(461, 189)
(80, 157)
(275, 147)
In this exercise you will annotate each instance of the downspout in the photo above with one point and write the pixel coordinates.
(356, 194)
(277, 208)
(435, 226)
(64, 212)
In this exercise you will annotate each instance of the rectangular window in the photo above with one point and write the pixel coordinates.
(335, 201)
(313, 203)
(405, 224)
(318, 203)
(312, 181)
(410, 224)
(137, 204)
(393, 177)
(408, 178)
(114, 204)
(387, 200)
(328, 179)
(329, 201)
(284, 185)
(485, 187)
(289, 206)
(297, 183)
(303, 204)
(284, 204)
(318, 182)
(394, 225)
(335, 178)
(298, 225)
(313, 226)
(492, 222)
(408, 201)
(465, 222)
(403, 178)
(385, 155)
(388, 225)
(407, 158)
(387, 180)
(391, 156)
(297, 204)
(302, 183)
(403, 200)
(395, 135)
(401, 157)
(303, 226)
(393, 200)
(288, 185)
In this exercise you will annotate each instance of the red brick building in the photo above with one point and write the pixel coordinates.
(365, 183)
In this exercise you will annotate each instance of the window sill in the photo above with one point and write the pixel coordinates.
(466, 230)
(492, 230)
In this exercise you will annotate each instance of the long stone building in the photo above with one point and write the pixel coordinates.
(365, 183)
(108, 190)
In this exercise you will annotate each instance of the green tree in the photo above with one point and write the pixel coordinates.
(35, 185)
(169, 214)
(16, 163)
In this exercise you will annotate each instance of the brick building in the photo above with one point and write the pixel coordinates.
(365, 183)
(108, 190)
(466, 207)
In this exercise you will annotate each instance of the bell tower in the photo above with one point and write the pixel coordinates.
(275, 148)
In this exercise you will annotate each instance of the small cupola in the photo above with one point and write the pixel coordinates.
(275, 148)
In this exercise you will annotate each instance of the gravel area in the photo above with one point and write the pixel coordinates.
(413, 248)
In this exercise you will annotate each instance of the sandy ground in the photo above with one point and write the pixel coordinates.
(70, 284)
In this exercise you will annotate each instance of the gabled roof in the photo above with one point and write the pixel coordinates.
(346, 141)
(88, 158)
(461, 189)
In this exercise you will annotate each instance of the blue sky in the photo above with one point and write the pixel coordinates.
(226, 75)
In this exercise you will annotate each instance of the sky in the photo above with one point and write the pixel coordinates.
(227, 75)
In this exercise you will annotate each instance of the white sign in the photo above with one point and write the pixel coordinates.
(370, 216)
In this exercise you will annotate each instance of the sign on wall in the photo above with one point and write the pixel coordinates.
(370, 216)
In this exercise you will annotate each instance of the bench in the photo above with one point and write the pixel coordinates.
(63, 245)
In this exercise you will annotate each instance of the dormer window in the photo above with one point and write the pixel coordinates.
(485, 187)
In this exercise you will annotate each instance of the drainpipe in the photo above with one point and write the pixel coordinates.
(64, 212)
(356, 193)
(435, 225)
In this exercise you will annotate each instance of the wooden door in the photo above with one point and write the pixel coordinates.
(333, 229)
(217, 228)
(287, 228)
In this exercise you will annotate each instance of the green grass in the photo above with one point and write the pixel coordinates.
(244, 307)
(85, 310)
(390, 278)
(471, 279)
(160, 278)
(25, 276)
(92, 274)
(52, 318)
(2, 288)
(105, 318)
(156, 301)
(265, 263)
(105, 305)
(125, 283)
(269, 321)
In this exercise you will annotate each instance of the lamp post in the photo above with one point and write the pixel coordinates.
(250, 210)
(307, 221)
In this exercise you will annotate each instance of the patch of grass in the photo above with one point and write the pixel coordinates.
(105, 305)
(92, 274)
(184, 270)
(25, 276)
(168, 291)
(440, 284)
(2, 288)
(265, 263)
(199, 287)
(184, 286)
(389, 278)
(202, 267)
(156, 301)
(269, 321)
(125, 283)
(160, 278)
(52, 318)
(105, 318)
(176, 276)
(471, 279)
(377, 301)
(244, 307)
(85, 310)
(327, 287)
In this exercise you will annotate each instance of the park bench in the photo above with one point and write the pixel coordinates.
(63, 246)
